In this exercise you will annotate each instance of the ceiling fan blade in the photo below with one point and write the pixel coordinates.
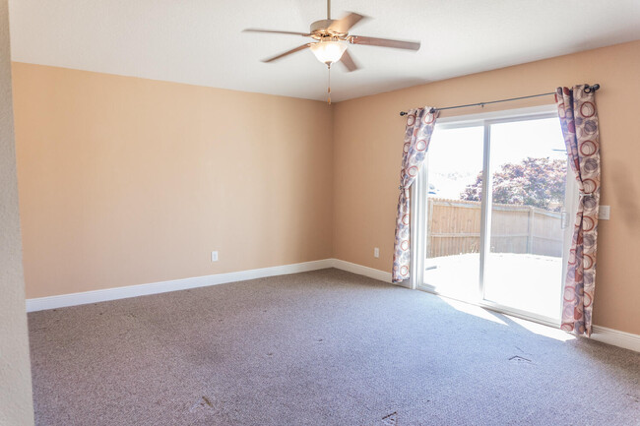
(385, 42)
(344, 25)
(256, 30)
(348, 62)
(288, 52)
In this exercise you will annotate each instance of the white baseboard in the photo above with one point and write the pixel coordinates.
(616, 338)
(376, 274)
(72, 299)
(601, 334)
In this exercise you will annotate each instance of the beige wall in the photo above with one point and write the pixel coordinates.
(368, 138)
(127, 181)
(16, 407)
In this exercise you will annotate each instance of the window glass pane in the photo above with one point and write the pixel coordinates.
(453, 220)
(529, 170)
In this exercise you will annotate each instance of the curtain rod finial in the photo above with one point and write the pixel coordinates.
(590, 88)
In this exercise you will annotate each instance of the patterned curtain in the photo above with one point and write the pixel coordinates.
(579, 120)
(420, 124)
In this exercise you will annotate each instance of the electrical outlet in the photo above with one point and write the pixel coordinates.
(376, 252)
(604, 213)
(214, 256)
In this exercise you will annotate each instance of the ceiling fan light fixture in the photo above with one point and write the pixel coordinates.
(328, 52)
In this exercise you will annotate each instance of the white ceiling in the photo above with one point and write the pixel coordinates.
(200, 41)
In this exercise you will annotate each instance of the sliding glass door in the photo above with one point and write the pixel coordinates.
(528, 169)
(452, 258)
(495, 215)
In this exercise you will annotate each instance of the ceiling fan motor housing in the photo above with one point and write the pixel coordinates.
(320, 29)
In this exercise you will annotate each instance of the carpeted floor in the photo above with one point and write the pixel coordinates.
(319, 348)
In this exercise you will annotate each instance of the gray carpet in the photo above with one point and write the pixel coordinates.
(319, 348)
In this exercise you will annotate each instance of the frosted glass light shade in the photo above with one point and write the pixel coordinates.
(328, 52)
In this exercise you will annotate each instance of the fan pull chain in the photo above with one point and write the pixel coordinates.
(329, 88)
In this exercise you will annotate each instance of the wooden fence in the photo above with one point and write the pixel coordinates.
(454, 228)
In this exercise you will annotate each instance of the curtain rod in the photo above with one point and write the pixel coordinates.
(588, 89)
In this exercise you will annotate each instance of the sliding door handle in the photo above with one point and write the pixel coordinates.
(564, 219)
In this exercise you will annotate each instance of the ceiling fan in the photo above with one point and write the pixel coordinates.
(331, 37)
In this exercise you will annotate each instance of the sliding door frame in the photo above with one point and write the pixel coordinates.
(419, 213)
